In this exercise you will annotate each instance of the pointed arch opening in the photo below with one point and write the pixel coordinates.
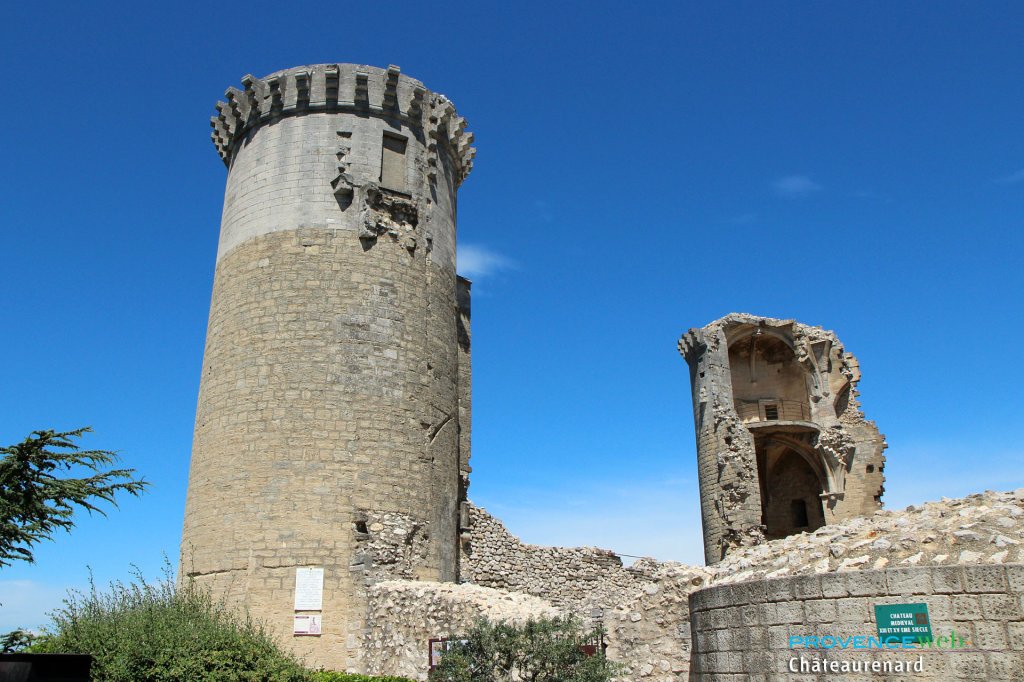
(792, 483)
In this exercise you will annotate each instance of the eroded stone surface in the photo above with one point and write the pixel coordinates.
(329, 426)
(333, 427)
(782, 445)
(645, 606)
(407, 614)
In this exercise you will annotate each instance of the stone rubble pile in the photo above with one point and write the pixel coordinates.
(984, 528)
(644, 607)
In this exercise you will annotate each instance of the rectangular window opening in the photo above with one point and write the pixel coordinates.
(799, 509)
(392, 162)
(771, 413)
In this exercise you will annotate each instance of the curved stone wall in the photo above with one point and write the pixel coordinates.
(790, 401)
(743, 631)
(328, 420)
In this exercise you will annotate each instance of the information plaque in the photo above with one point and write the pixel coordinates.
(307, 624)
(309, 589)
(903, 620)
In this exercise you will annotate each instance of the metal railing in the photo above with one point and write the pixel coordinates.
(772, 410)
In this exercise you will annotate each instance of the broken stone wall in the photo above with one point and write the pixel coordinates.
(730, 499)
(407, 614)
(329, 400)
(643, 607)
(573, 578)
(765, 390)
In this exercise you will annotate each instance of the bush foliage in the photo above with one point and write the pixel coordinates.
(162, 632)
(329, 676)
(543, 650)
(158, 632)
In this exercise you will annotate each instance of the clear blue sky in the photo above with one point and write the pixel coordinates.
(642, 169)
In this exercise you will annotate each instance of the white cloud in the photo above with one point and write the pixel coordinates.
(26, 603)
(1012, 178)
(795, 186)
(475, 262)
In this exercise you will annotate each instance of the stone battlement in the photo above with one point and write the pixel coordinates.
(347, 88)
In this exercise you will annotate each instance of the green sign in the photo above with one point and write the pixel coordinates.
(903, 620)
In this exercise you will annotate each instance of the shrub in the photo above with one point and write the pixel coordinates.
(331, 676)
(543, 650)
(143, 632)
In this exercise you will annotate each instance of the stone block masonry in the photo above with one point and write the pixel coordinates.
(976, 608)
(407, 614)
(643, 607)
(782, 446)
(333, 432)
(329, 423)
(647, 608)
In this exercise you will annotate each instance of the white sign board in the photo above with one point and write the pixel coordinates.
(309, 589)
(307, 625)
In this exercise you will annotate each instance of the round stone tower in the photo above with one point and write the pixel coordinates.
(329, 451)
(782, 444)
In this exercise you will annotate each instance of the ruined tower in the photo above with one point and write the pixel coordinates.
(331, 437)
(782, 446)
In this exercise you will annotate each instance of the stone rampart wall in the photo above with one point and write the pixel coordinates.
(804, 585)
(643, 607)
(407, 614)
(570, 577)
(742, 631)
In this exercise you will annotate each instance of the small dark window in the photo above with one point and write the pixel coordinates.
(392, 163)
(771, 413)
(799, 508)
(871, 468)
(361, 527)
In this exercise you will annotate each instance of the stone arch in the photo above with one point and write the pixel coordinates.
(790, 472)
(769, 381)
(842, 401)
(792, 494)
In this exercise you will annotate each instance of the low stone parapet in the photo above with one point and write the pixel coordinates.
(819, 627)
(407, 614)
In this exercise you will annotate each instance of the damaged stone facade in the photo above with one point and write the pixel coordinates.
(333, 415)
(333, 432)
(642, 607)
(648, 608)
(782, 446)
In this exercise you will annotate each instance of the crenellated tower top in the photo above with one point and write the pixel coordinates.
(352, 88)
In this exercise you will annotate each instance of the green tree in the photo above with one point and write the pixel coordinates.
(35, 500)
(542, 650)
(16, 641)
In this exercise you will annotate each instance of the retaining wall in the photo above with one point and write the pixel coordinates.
(742, 631)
